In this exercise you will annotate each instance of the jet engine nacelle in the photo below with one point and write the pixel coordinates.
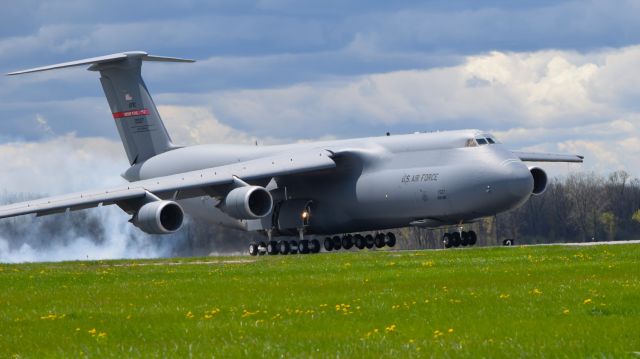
(539, 180)
(249, 202)
(159, 217)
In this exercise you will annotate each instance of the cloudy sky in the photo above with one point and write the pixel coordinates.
(556, 76)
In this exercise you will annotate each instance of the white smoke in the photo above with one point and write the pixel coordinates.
(66, 164)
(117, 239)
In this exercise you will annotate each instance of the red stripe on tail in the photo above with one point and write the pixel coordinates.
(132, 113)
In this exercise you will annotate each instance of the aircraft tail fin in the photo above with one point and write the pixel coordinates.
(139, 124)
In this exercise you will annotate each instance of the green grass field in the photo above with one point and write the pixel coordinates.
(487, 302)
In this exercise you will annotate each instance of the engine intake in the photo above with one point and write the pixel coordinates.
(539, 180)
(249, 202)
(159, 217)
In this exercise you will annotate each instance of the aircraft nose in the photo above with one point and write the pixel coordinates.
(519, 180)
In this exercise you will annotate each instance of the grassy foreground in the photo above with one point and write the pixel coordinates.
(492, 302)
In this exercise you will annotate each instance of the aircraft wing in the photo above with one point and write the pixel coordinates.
(214, 181)
(547, 157)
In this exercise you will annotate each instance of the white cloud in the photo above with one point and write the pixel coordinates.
(60, 165)
(533, 97)
(197, 125)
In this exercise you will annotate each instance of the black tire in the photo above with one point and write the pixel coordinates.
(464, 239)
(369, 241)
(473, 238)
(508, 242)
(446, 239)
(294, 247)
(359, 241)
(272, 248)
(303, 246)
(390, 239)
(262, 248)
(284, 247)
(347, 241)
(328, 244)
(379, 240)
(314, 246)
(253, 249)
(455, 239)
(337, 243)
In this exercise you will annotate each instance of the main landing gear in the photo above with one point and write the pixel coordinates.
(284, 246)
(460, 238)
(306, 246)
(359, 241)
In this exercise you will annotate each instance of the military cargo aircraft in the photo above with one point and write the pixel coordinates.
(335, 188)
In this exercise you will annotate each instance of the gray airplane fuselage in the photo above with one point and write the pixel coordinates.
(378, 183)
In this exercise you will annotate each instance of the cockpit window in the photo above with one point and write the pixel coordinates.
(481, 141)
(490, 140)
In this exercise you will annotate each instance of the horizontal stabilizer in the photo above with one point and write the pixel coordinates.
(102, 60)
(547, 157)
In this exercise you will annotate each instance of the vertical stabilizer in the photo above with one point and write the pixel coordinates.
(139, 124)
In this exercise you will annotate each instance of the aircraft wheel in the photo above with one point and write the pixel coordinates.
(328, 244)
(262, 248)
(347, 241)
(508, 242)
(272, 247)
(390, 239)
(314, 246)
(337, 243)
(379, 240)
(455, 239)
(359, 241)
(473, 238)
(369, 241)
(284, 247)
(303, 246)
(253, 249)
(446, 239)
(464, 239)
(294, 247)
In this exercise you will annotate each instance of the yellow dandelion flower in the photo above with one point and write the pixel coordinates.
(102, 334)
(92, 331)
(566, 311)
(504, 296)
(189, 314)
(450, 330)
(587, 301)
(390, 329)
(536, 291)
